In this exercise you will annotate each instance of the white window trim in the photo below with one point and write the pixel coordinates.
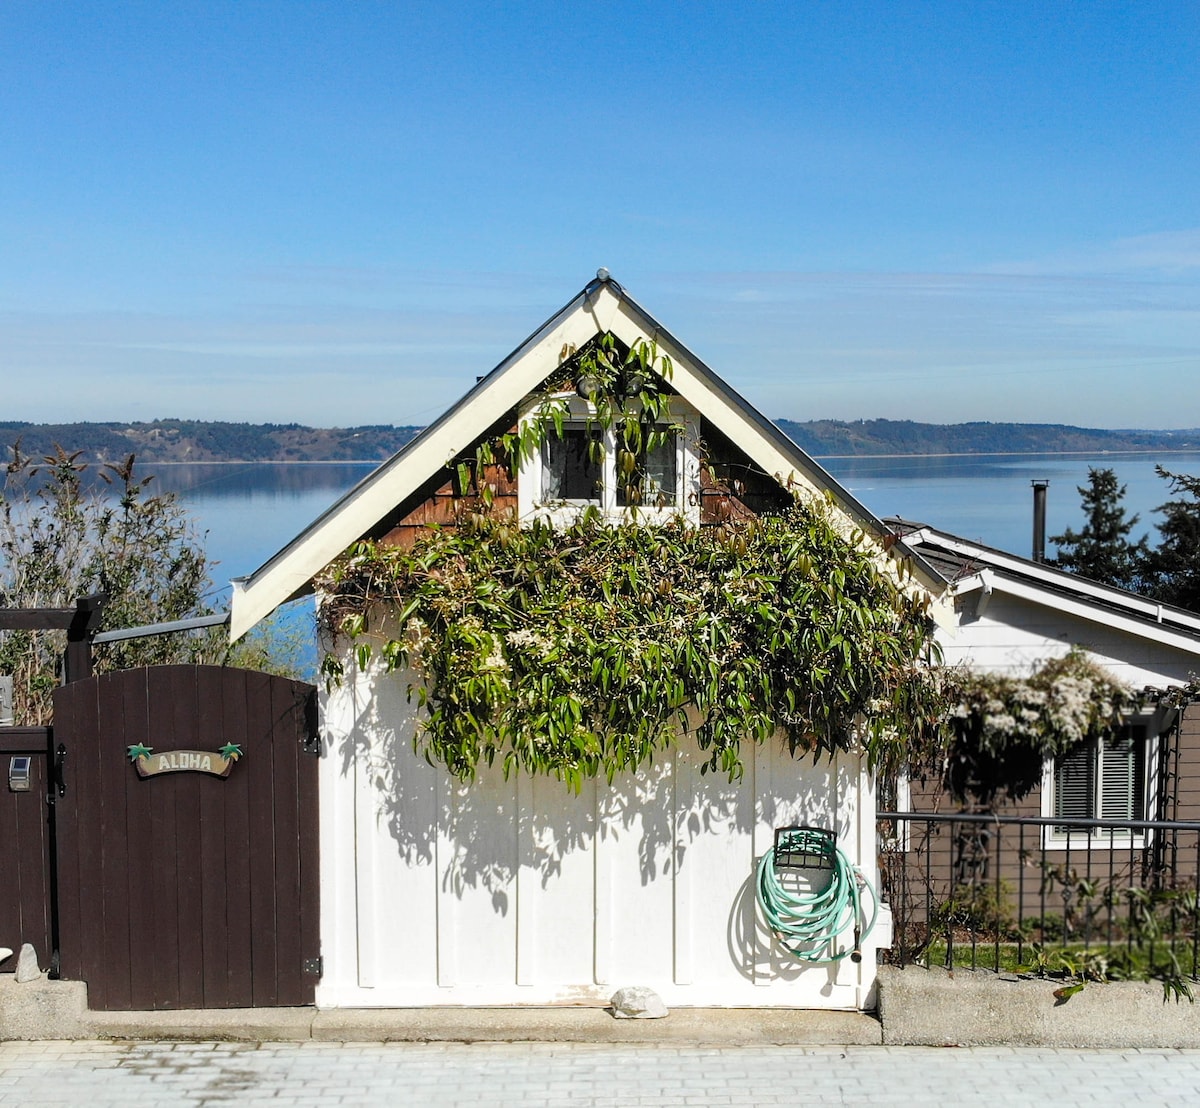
(1098, 838)
(562, 513)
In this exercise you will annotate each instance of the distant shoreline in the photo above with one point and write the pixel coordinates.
(815, 457)
(191, 442)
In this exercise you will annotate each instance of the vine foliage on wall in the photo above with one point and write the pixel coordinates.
(1000, 730)
(586, 650)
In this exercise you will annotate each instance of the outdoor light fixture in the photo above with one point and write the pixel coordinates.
(18, 773)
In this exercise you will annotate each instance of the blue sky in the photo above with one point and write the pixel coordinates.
(342, 213)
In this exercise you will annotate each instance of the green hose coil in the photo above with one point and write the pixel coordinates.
(808, 924)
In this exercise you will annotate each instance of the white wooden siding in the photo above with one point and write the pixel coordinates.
(1015, 636)
(518, 892)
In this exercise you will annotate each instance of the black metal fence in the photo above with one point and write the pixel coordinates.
(1089, 898)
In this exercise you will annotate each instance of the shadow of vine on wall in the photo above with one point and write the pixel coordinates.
(482, 835)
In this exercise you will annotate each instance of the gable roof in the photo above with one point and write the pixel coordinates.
(602, 306)
(971, 565)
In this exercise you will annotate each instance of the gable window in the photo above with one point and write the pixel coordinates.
(1105, 779)
(587, 467)
(571, 469)
(653, 477)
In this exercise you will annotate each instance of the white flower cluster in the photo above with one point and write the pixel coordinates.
(1066, 701)
(526, 638)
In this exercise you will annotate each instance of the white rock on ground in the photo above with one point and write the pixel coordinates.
(27, 964)
(636, 1002)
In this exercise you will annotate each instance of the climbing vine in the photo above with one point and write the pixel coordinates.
(1001, 729)
(628, 393)
(587, 650)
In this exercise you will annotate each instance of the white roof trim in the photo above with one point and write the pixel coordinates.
(602, 306)
(1138, 626)
(995, 570)
(1058, 579)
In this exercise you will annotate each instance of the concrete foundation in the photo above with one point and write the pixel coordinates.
(58, 1010)
(917, 1007)
(932, 1007)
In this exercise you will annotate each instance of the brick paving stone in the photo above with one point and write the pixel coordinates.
(530, 1075)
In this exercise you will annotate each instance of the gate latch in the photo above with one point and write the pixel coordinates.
(60, 780)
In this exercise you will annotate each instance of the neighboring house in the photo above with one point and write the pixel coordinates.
(1012, 614)
(506, 892)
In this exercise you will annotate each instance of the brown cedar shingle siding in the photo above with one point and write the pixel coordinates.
(441, 506)
(741, 491)
(731, 486)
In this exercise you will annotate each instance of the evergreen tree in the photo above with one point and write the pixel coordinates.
(1102, 551)
(1173, 569)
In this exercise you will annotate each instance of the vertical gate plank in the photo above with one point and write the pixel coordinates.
(164, 872)
(107, 804)
(309, 836)
(138, 835)
(65, 712)
(286, 754)
(238, 846)
(75, 727)
(180, 714)
(263, 918)
(214, 913)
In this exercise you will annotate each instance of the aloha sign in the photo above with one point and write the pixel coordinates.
(218, 763)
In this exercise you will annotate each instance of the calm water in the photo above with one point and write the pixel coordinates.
(250, 511)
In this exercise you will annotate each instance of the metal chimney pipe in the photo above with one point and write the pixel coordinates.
(1039, 519)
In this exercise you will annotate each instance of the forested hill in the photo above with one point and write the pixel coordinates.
(828, 437)
(189, 440)
(182, 440)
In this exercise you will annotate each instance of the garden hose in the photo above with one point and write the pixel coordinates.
(808, 924)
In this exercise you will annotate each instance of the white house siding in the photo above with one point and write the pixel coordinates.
(1015, 636)
(518, 892)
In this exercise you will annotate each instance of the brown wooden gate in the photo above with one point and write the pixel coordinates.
(25, 844)
(184, 889)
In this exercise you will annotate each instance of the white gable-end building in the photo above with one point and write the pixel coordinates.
(1011, 615)
(517, 891)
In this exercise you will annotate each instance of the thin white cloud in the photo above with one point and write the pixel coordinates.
(1170, 254)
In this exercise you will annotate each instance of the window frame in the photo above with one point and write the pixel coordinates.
(683, 419)
(1097, 838)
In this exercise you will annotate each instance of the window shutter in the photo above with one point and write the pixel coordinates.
(1075, 783)
(1121, 770)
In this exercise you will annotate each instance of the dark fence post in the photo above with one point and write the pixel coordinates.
(82, 627)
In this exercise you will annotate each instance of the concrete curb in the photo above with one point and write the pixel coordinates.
(58, 1010)
(917, 1007)
(933, 1007)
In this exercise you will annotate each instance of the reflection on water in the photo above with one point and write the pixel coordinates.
(267, 480)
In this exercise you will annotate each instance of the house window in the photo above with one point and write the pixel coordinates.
(571, 468)
(587, 468)
(1103, 779)
(653, 479)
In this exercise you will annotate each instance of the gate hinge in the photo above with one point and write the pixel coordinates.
(312, 745)
(315, 966)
